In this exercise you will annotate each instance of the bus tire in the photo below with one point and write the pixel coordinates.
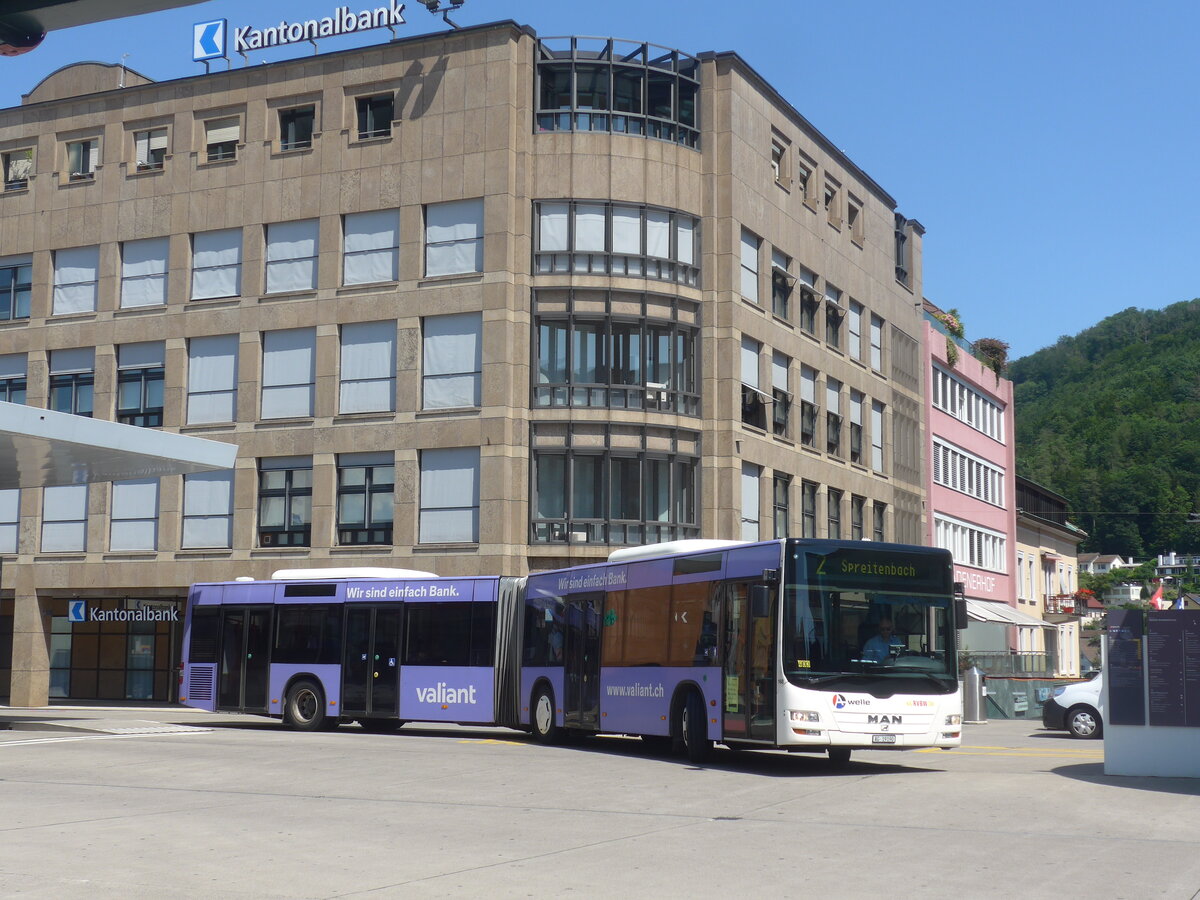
(541, 716)
(693, 728)
(304, 709)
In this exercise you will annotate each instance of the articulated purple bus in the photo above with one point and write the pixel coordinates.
(801, 645)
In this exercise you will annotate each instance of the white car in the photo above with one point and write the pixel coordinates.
(1076, 708)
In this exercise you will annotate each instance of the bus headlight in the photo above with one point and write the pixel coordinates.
(954, 720)
(804, 715)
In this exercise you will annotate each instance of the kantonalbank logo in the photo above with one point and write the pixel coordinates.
(343, 21)
(841, 701)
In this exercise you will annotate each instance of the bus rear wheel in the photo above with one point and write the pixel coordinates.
(693, 729)
(541, 716)
(304, 709)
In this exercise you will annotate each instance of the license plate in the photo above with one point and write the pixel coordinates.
(883, 739)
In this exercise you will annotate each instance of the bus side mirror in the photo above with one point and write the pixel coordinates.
(960, 605)
(760, 601)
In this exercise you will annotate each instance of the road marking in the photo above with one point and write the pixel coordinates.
(93, 737)
(1019, 751)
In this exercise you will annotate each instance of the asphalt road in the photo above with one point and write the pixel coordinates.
(170, 803)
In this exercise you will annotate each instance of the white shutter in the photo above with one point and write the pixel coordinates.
(217, 264)
(10, 520)
(220, 131)
(292, 256)
(141, 355)
(75, 276)
(144, 272)
(368, 367)
(833, 393)
(371, 247)
(64, 518)
(749, 284)
(750, 348)
(808, 384)
(750, 485)
(449, 495)
(552, 226)
(13, 365)
(452, 354)
(212, 379)
(779, 371)
(76, 359)
(685, 239)
(658, 233)
(289, 373)
(134, 515)
(627, 230)
(589, 228)
(454, 237)
(207, 510)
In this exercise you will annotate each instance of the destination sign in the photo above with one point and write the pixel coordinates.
(896, 570)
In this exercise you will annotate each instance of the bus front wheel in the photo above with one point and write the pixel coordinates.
(693, 729)
(541, 716)
(304, 709)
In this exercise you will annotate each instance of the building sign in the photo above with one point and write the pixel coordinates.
(209, 38)
(135, 611)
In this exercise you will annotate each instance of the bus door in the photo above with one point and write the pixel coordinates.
(371, 661)
(245, 658)
(748, 654)
(581, 661)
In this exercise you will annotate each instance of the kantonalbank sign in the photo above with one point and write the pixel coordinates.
(209, 37)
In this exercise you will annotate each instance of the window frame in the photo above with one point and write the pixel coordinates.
(363, 104)
(8, 160)
(290, 119)
(292, 489)
(369, 533)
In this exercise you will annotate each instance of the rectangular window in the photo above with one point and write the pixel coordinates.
(877, 436)
(64, 518)
(749, 283)
(207, 510)
(212, 379)
(876, 343)
(854, 316)
(285, 501)
(292, 256)
(833, 511)
(150, 149)
(781, 284)
(754, 405)
(449, 634)
(140, 369)
(82, 159)
(854, 219)
(13, 377)
(857, 404)
(808, 509)
(371, 247)
(454, 237)
(781, 489)
(289, 373)
(449, 496)
(833, 316)
(221, 138)
(10, 520)
(72, 380)
(833, 416)
(375, 116)
(808, 406)
(366, 498)
(16, 287)
(144, 272)
(781, 394)
(134, 519)
(296, 127)
(833, 202)
(18, 166)
(858, 512)
(809, 302)
(878, 520)
(751, 475)
(452, 361)
(368, 367)
(217, 264)
(76, 275)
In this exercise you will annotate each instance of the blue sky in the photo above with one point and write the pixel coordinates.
(1047, 147)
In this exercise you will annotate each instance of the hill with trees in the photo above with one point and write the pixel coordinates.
(1110, 418)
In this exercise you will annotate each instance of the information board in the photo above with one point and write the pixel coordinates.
(1125, 675)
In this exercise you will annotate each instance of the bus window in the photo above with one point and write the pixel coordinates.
(543, 631)
(308, 635)
(439, 634)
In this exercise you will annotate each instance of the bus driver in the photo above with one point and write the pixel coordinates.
(881, 646)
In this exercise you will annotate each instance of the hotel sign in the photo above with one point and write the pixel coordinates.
(207, 37)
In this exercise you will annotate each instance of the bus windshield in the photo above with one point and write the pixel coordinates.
(883, 613)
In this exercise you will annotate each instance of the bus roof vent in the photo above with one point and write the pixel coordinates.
(625, 554)
(348, 572)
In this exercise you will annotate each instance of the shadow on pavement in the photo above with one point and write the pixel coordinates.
(1093, 773)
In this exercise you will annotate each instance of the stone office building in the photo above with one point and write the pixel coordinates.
(468, 302)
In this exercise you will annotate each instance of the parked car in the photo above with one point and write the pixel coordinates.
(1076, 708)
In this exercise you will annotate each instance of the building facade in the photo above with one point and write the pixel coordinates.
(472, 302)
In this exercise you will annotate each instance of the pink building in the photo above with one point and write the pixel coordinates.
(971, 479)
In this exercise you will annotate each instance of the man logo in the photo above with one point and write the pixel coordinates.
(77, 611)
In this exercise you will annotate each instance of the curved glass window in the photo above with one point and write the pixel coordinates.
(613, 497)
(591, 237)
(605, 84)
(615, 350)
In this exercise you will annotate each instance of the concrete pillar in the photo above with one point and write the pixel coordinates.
(31, 640)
